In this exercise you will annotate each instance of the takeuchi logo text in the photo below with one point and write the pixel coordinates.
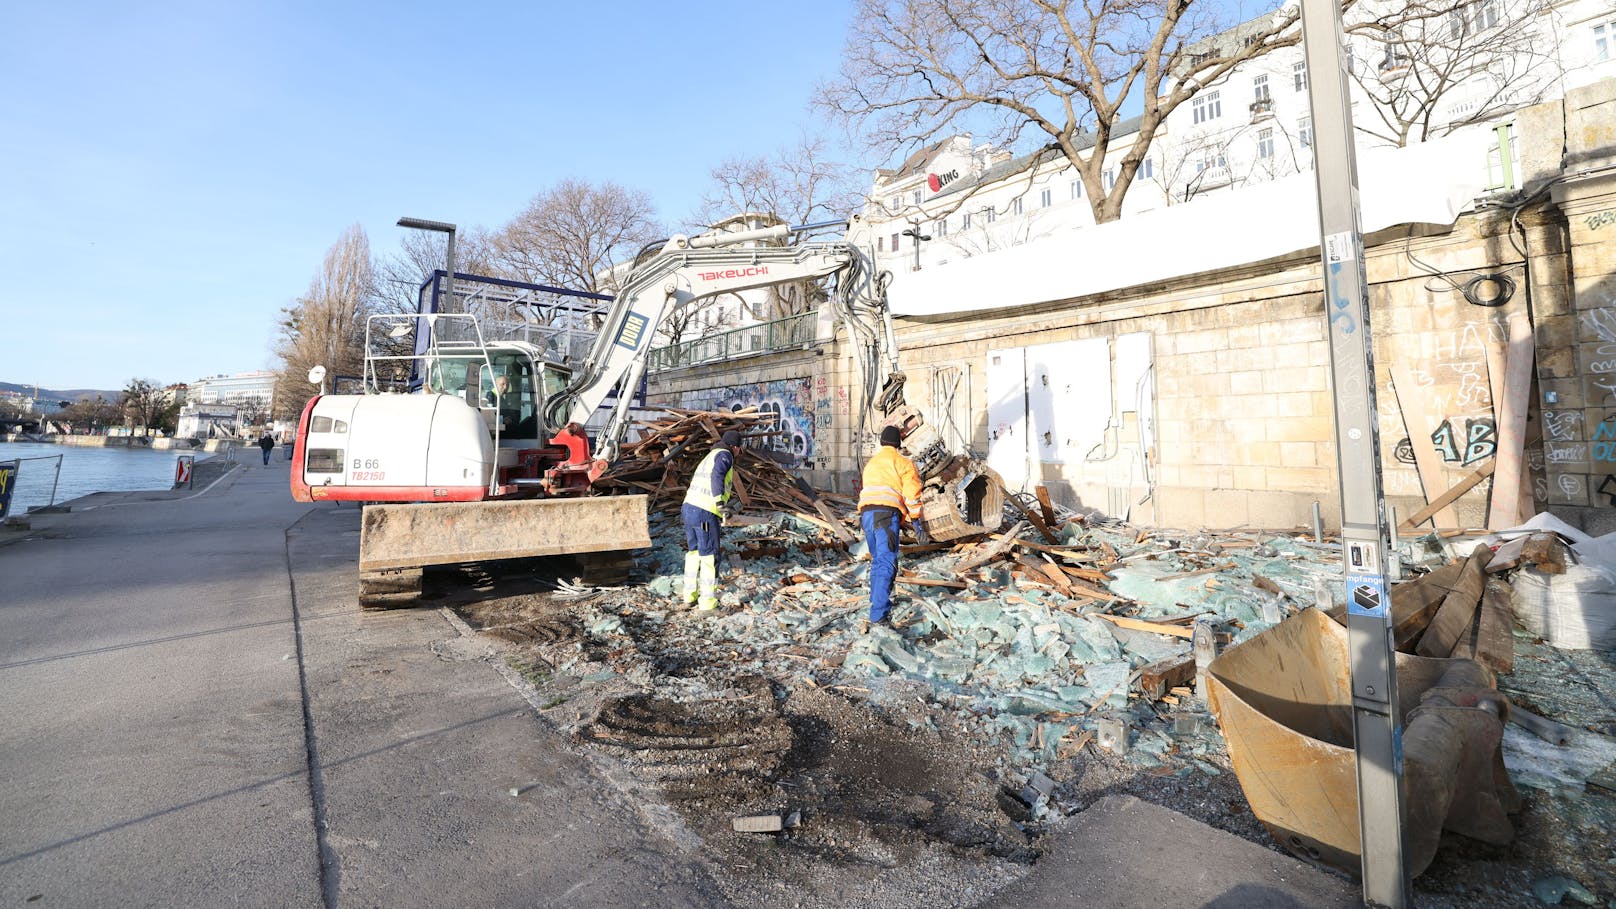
(732, 273)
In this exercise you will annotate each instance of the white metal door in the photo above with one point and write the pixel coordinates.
(1007, 416)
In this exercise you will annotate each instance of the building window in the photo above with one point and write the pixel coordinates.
(1501, 158)
(1259, 88)
(1605, 41)
(990, 214)
(1299, 73)
(1210, 162)
(1015, 206)
(1265, 143)
(1046, 198)
(880, 244)
(1077, 189)
(917, 197)
(939, 228)
(897, 203)
(965, 221)
(1304, 132)
(894, 242)
(1146, 170)
(1108, 179)
(1207, 106)
(1472, 18)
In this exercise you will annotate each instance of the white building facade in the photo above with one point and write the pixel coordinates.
(1462, 71)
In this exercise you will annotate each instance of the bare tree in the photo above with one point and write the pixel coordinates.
(90, 414)
(570, 236)
(796, 185)
(143, 404)
(326, 326)
(916, 70)
(1432, 66)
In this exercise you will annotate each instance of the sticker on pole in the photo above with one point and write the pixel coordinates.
(1367, 596)
(1340, 248)
(1362, 557)
(182, 470)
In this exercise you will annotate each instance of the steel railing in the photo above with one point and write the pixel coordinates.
(764, 337)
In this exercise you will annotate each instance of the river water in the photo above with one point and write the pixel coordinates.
(85, 470)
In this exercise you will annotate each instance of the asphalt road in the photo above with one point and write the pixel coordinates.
(197, 714)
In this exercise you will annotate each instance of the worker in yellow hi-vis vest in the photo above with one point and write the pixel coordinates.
(703, 513)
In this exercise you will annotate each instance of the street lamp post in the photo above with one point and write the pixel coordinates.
(440, 227)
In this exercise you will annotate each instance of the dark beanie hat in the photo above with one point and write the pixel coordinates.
(730, 440)
(891, 435)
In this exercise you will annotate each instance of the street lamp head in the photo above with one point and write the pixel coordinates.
(423, 224)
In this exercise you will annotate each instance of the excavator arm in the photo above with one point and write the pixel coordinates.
(687, 269)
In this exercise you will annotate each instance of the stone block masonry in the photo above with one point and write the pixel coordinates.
(1206, 401)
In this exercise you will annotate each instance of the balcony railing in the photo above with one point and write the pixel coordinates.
(764, 337)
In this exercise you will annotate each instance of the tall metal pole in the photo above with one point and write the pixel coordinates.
(448, 280)
(1376, 725)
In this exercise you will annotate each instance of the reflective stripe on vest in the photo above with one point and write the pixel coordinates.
(701, 493)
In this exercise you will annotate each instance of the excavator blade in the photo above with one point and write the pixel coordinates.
(397, 541)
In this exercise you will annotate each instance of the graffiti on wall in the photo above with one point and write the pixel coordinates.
(789, 401)
(1479, 440)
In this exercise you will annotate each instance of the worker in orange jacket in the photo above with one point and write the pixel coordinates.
(890, 496)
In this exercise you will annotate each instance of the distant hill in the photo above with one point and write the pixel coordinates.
(52, 395)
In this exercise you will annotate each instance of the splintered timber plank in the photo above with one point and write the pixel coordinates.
(1176, 631)
(1044, 505)
(1511, 425)
(1417, 420)
(1458, 608)
(1157, 678)
(1495, 636)
(1415, 602)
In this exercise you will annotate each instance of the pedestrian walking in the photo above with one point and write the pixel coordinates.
(703, 513)
(891, 495)
(267, 443)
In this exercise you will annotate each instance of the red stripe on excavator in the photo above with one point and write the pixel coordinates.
(300, 489)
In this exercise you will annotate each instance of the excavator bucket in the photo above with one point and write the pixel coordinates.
(397, 541)
(1283, 700)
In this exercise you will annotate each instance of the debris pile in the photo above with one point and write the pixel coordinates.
(1016, 664)
(661, 461)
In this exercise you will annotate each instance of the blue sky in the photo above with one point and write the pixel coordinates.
(171, 173)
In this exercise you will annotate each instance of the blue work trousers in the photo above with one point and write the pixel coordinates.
(701, 530)
(881, 536)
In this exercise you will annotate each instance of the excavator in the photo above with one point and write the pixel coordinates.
(459, 470)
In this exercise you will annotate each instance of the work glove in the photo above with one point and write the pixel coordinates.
(921, 536)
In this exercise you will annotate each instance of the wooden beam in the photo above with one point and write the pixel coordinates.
(1510, 424)
(1418, 419)
(1458, 608)
(1495, 634)
(1032, 517)
(932, 582)
(1142, 625)
(1441, 502)
(991, 552)
(1158, 677)
(1044, 505)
